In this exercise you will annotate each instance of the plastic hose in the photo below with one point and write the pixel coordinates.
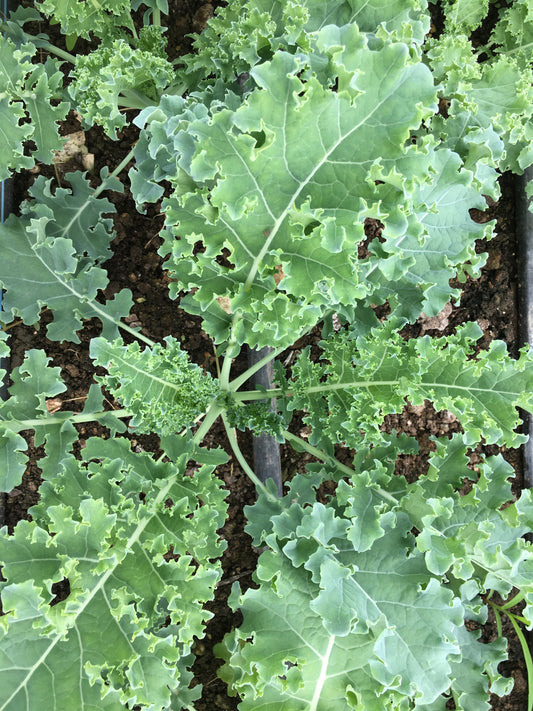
(524, 227)
(267, 460)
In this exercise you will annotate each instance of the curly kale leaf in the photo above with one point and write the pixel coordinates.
(347, 403)
(32, 384)
(85, 18)
(352, 610)
(332, 627)
(162, 388)
(76, 214)
(291, 219)
(248, 32)
(118, 76)
(256, 416)
(478, 535)
(61, 260)
(136, 543)
(28, 91)
(488, 120)
(513, 33)
(464, 16)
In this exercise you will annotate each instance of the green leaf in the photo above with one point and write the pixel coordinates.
(53, 277)
(464, 16)
(471, 689)
(76, 214)
(478, 535)
(32, 383)
(439, 241)
(113, 550)
(45, 82)
(13, 462)
(349, 625)
(247, 32)
(284, 215)
(514, 31)
(117, 76)
(163, 390)
(495, 95)
(28, 91)
(347, 403)
(81, 18)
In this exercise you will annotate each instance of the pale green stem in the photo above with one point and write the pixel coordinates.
(228, 358)
(137, 334)
(76, 419)
(120, 167)
(213, 411)
(505, 610)
(521, 48)
(249, 395)
(244, 464)
(324, 388)
(513, 601)
(323, 675)
(54, 50)
(498, 618)
(132, 99)
(241, 379)
(328, 459)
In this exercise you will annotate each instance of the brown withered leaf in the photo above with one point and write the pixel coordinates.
(225, 303)
(54, 405)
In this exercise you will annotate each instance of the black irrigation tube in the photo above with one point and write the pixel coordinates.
(267, 460)
(524, 229)
(524, 232)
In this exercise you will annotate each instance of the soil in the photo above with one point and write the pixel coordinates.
(490, 300)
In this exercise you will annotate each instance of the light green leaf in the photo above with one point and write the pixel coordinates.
(109, 642)
(348, 403)
(350, 628)
(76, 214)
(495, 95)
(45, 82)
(12, 461)
(439, 242)
(164, 391)
(293, 663)
(464, 16)
(81, 18)
(53, 277)
(32, 383)
(471, 689)
(246, 32)
(117, 76)
(288, 215)
(514, 31)
(28, 90)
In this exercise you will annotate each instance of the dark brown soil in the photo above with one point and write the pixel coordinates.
(490, 300)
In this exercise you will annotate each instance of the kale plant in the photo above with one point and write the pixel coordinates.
(290, 125)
